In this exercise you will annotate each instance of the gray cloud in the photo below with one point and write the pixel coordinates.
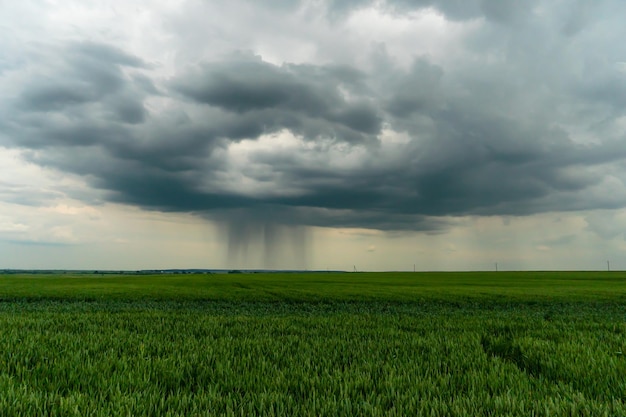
(304, 98)
(77, 99)
(385, 148)
(605, 225)
(502, 11)
(26, 195)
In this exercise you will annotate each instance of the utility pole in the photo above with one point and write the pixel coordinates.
(496, 267)
(413, 267)
(608, 266)
(354, 268)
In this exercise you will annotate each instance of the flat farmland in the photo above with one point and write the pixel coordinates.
(336, 344)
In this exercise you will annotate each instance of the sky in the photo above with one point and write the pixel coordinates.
(376, 135)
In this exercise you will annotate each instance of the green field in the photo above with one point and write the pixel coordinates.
(432, 344)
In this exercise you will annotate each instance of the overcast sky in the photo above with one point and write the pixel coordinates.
(316, 134)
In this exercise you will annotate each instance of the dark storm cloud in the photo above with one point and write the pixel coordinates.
(50, 97)
(418, 91)
(389, 148)
(84, 84)
(304, 98)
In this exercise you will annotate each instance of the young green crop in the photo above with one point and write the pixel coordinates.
(314, 287)
(297, 348)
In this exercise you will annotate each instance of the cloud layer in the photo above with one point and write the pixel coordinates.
(516, 109)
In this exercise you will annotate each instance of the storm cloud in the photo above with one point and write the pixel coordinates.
(523, 115)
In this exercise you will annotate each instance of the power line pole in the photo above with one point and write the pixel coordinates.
(608, 266)
(496, 267)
